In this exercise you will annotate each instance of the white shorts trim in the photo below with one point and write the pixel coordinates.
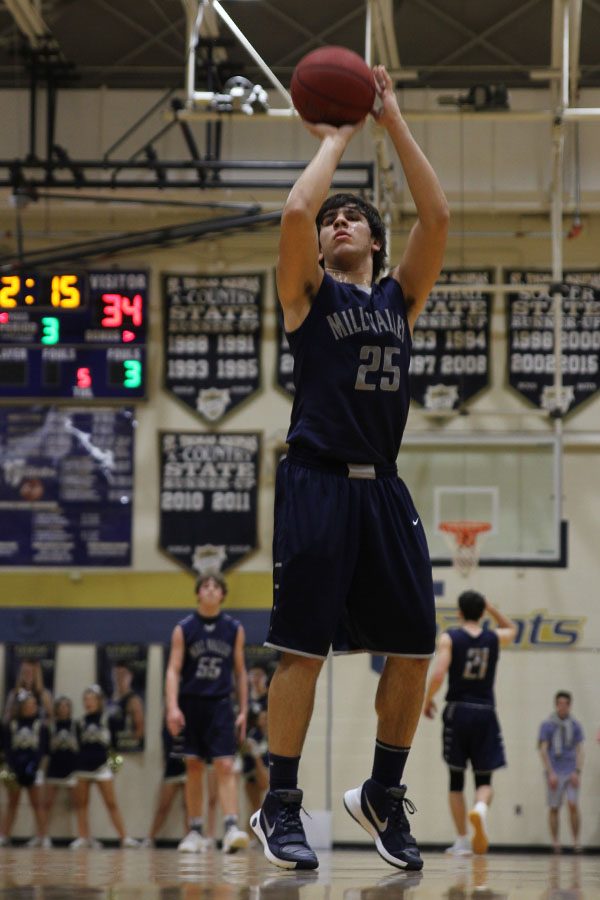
(104, 773)
(175, 779)
(295, 652)
(385, 653)
(69, 782)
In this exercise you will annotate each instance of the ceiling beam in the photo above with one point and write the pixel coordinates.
(473, 37)
(28, 19)
(135, 26)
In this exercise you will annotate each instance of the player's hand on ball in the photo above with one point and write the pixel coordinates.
(322, 130)
(385, 91)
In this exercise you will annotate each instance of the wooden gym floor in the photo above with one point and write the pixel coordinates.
(63, 874)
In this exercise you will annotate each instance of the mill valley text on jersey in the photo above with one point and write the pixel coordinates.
(351, 358)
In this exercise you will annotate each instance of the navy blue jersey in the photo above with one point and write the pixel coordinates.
(63, 748)
(95, 740)
(351, 358)
(122, 724)
(473, 667)
(207, 669)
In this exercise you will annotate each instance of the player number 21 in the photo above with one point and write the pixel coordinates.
(374, 374)
(476, 663)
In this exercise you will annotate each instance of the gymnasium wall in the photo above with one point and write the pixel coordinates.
(497, 179)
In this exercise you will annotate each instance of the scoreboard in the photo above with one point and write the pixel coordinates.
(73, 335)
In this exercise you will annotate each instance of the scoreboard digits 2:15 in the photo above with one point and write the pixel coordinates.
(80, 335)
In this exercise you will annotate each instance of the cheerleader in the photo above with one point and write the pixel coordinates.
(63, 754)
(95, 741)
(25, 746)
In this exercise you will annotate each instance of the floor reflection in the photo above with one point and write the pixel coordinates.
(111, 874)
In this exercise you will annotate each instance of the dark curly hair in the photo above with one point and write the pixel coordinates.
(471, 605)
(372, 216)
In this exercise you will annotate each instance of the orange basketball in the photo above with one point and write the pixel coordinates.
(333, 85)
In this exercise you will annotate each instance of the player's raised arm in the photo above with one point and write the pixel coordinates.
(505, 627)
(421, 262)
(299, 274)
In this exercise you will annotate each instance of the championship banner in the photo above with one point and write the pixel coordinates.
(29, 667)
(531, 338)
(450, 357)
(212, 327)
(121, 671)
(66, 486)
(285, 360)
(208, 498)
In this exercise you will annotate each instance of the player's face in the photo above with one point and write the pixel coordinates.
(257, 680)
(345, 238)
(121, 678)
(210, 594)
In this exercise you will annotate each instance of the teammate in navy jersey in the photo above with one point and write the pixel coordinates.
(207, 656)
(63, 753)
(351, 564)
(469, 655)
(126, 709)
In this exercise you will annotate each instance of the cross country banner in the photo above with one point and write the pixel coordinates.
(450, 356)
(208, 498)
(531, 358)
(212, 345)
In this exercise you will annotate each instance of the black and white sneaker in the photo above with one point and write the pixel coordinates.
(279, 828)
(381, 812)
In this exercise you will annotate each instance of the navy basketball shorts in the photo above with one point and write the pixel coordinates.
(351, 565)
(174, 772)
(209, 731)
(472, 733)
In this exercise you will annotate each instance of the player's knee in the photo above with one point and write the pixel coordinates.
(457, 781)
(292, 665)
(483, 779)
(224, 766)
(194, 766)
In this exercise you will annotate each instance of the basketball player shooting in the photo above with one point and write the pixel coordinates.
(351, 565)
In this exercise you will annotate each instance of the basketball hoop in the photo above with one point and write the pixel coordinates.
(461, 537)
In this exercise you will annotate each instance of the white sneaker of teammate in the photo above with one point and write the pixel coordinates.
(235, 839)
(460, 847)
(479, 841)
(192, 843)
(129, 843)
(34, 842)
(148, 843)
(80, 843)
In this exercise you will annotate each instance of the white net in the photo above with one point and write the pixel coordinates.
(464, 539)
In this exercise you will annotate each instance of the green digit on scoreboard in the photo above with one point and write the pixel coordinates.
(50, 330)
(132, 377)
